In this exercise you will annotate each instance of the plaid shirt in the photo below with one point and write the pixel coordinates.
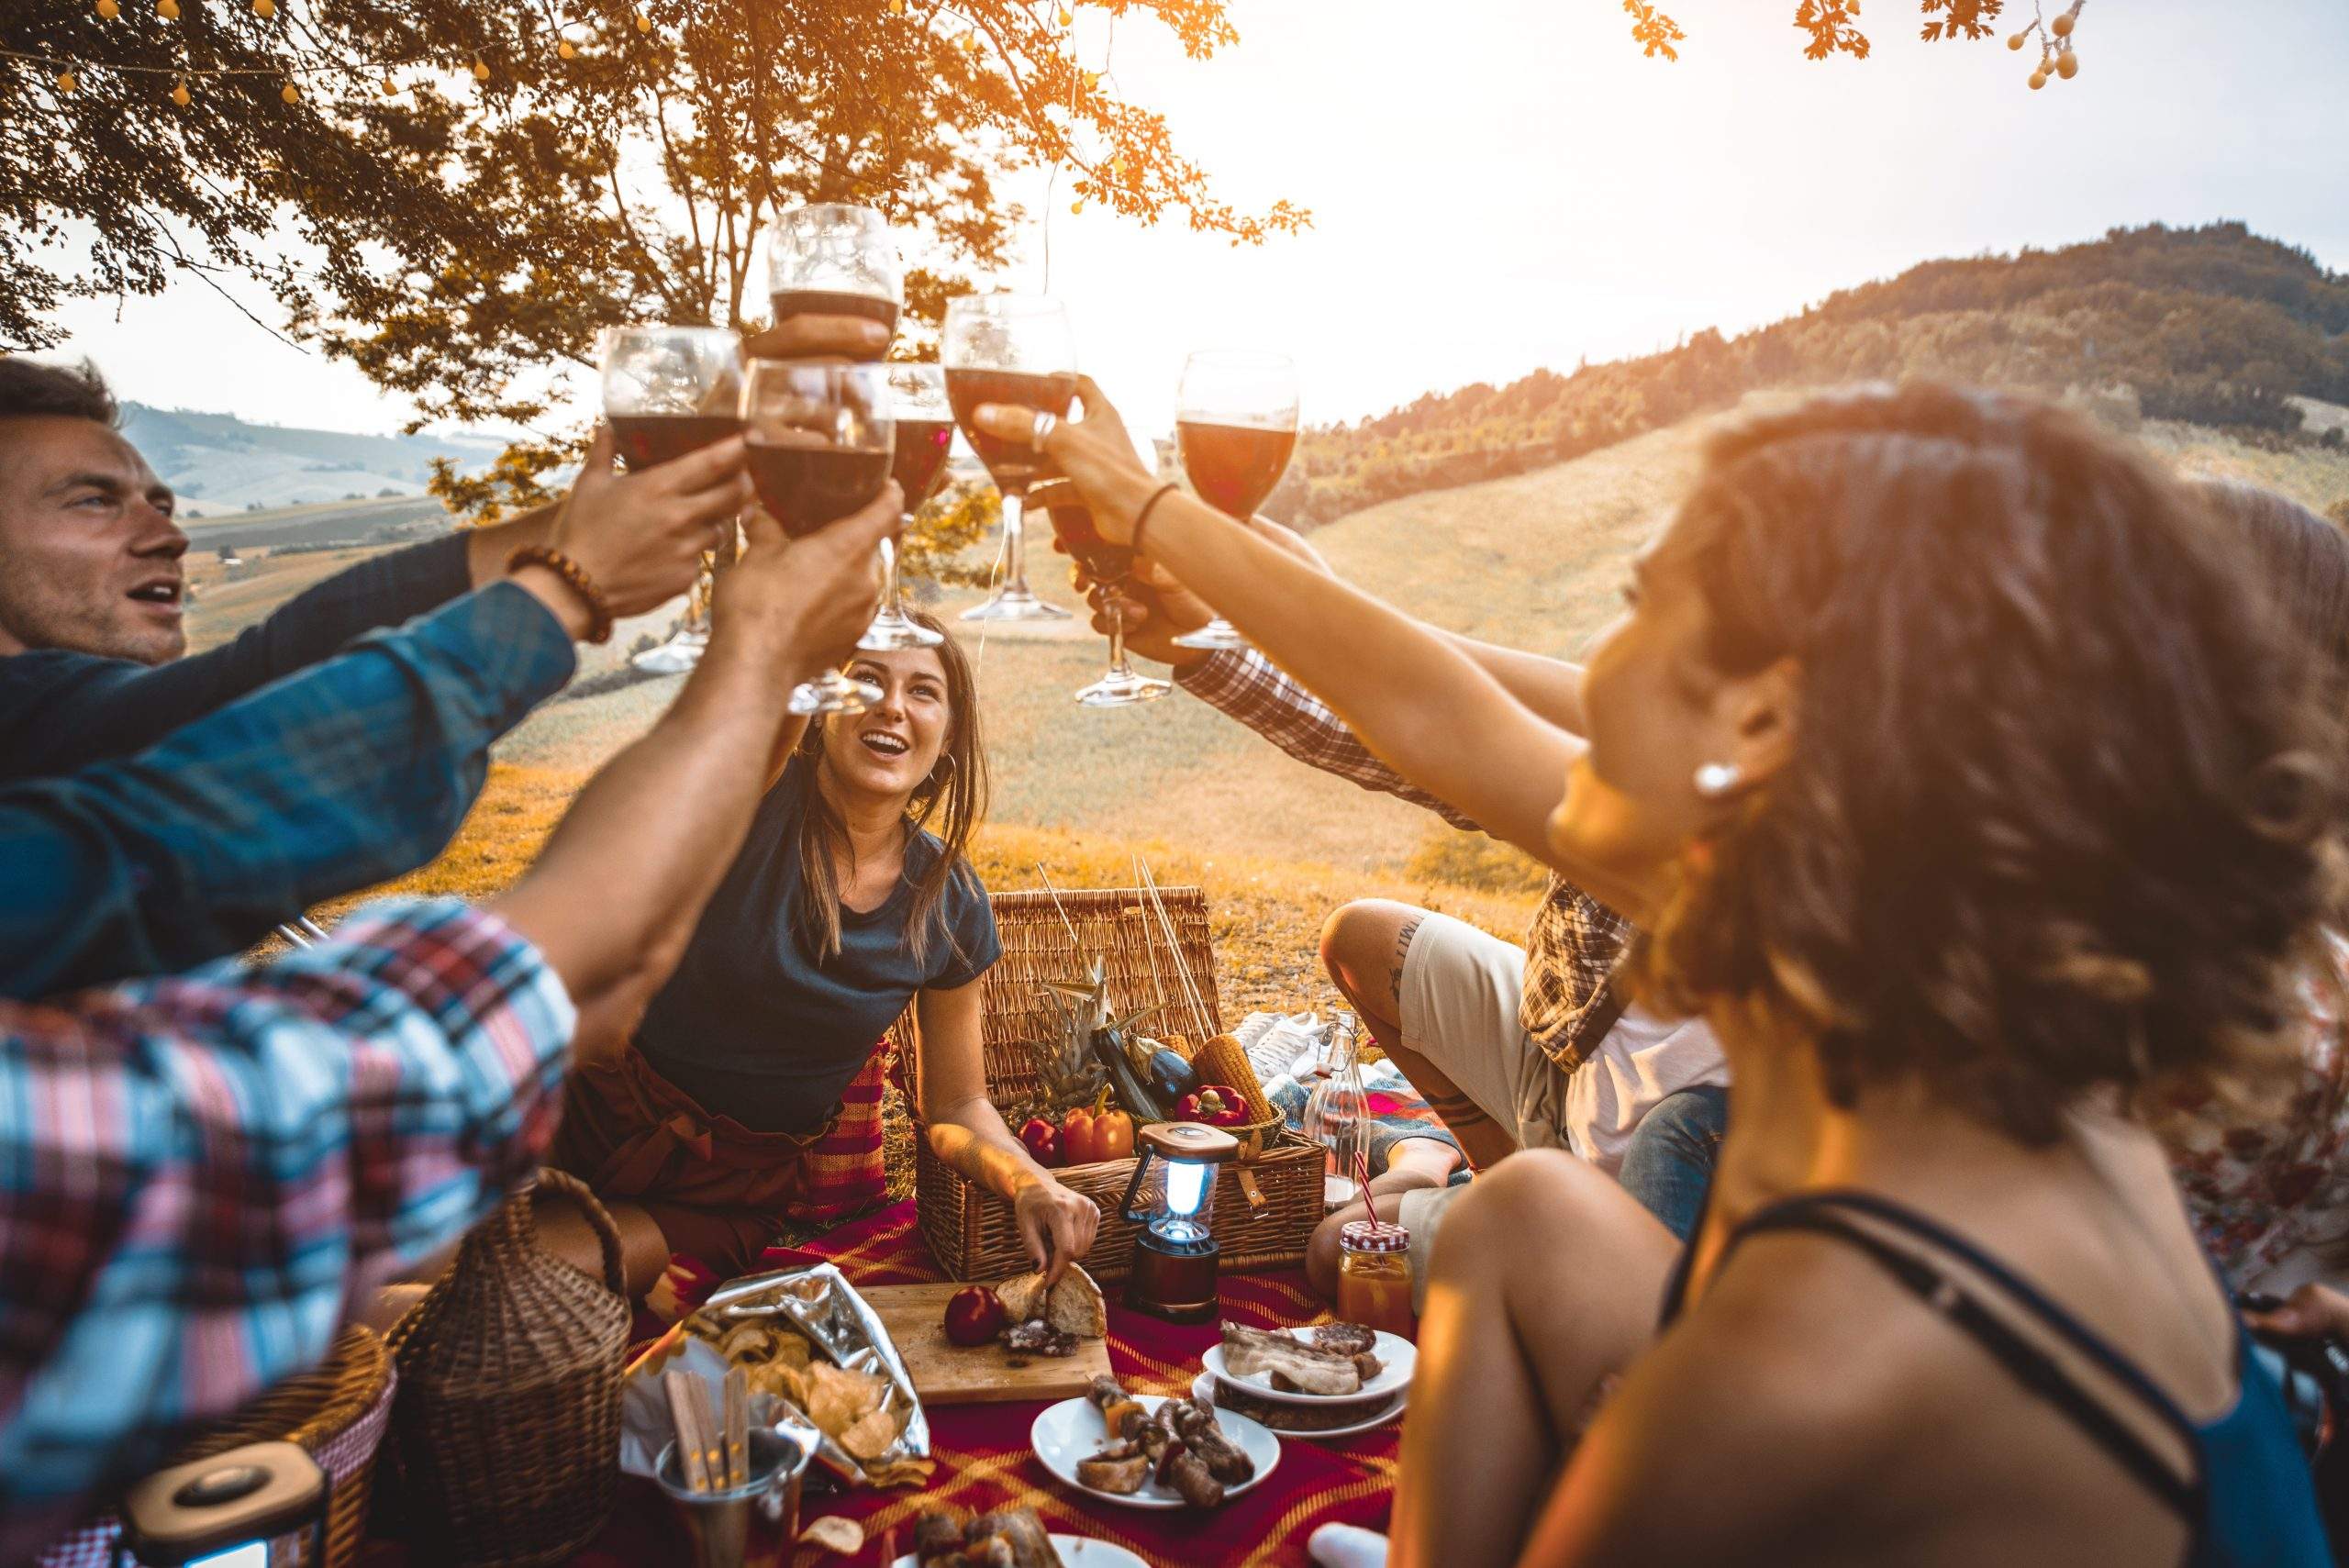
(199, 1174)
(1574, 941)
(346, 773)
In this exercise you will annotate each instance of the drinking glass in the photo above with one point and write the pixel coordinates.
(1009, 348)
(1235, 424)
(834, 260)
(925, 423)
(820, 440)
(1109, 564)
(669, 390)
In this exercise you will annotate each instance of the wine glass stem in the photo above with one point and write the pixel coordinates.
(1119, 668)
(892, 607)
(1014, 523)
(697, 600)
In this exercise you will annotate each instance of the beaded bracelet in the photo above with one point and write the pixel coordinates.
(575, 576)
(1144, 516)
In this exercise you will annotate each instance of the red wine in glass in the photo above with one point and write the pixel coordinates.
(1234, 467)
(805, 487)
(789, 303)
(923, 445)
(647, 440)
(1073, 523)
(1014, 463)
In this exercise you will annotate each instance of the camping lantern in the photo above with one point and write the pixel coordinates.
(250, 1508)
(1174, 1255)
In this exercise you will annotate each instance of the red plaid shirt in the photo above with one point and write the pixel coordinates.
(198, 1173)
(1574, 941)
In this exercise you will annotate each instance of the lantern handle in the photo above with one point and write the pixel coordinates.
(1126, 1204)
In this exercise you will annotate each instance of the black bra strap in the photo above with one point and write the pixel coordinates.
(2025, 1362)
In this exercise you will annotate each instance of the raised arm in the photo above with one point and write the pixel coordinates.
(1424, 707)
(639, 537)
(346, 774)
(614, 895)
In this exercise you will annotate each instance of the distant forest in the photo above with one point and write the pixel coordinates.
(2216, 326)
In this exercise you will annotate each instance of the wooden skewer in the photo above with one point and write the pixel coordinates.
(738, 1428)
(680, 1387)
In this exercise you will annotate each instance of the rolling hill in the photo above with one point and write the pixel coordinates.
(219, 463)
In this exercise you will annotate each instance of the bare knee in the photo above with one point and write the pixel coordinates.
(1542, 1195)
(1362, 945)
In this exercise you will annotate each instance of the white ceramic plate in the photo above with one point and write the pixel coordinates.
(1203, 1387)
(1077, 1551)
(1071, 1431)
(1398, 1355)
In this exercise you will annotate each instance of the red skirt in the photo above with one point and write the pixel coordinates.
(718, 1191)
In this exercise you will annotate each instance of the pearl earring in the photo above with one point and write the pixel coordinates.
(1715, 780)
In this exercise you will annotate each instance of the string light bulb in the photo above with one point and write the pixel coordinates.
(565, 51)
(390, 88)
(2067, 65)
(264, 9)
(644, 23)
(168, 9)
(971, 43)
(291, 94)
(896, 7)
(481, 69)
(1075, 207)
(179, 93)
(2062, 25)
(109, 9)
(1068, 18)
(2037, 80)
(1092, 80)
(65, 83)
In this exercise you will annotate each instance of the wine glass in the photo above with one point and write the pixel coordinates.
(820, 445)
(1235, 424)
(1009, 348)
(1109, 564)
(834, 260)
(925, 423)
(669, 390)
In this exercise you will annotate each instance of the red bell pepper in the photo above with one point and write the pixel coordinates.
(1216, 1105)
(1042, 1140)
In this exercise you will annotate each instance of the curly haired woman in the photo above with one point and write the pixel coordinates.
(1965, 784)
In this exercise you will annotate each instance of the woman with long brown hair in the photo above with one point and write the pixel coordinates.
(1958, 772)
(851, 897)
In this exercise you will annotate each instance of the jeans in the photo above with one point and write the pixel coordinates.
(1669, 1163)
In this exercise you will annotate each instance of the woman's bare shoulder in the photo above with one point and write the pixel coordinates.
(1779, 1400)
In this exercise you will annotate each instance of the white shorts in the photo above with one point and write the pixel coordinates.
(1460, 992)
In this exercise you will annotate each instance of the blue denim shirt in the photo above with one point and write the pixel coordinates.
(332, 779)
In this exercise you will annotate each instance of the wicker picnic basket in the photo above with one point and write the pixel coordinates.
(1266, 1206)
(337, 1411)
(507, 1431)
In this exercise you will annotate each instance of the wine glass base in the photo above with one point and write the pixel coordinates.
(888, 633)
(1123, 691)
(1015, 602)
(673, 657)
(1216, 635)
(832, 693)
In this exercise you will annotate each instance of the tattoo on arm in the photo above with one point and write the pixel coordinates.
(1402, 946)
(1456, 1110)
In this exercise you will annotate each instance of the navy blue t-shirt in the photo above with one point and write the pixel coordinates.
(753, 1027)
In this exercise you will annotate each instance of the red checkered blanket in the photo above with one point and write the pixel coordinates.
(983, 1459)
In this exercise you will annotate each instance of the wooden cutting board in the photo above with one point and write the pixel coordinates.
(948, 1373)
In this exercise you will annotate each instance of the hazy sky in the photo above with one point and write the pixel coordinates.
(1502, 184)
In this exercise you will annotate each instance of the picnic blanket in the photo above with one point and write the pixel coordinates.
(983, 1459)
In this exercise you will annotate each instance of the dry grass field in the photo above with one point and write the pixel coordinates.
(1534, 561)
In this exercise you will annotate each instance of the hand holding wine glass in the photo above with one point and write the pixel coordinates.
(820, 440)
(669, 390)
(1009, 348)
(1236, 428)
(640, 536)
(832, 260)
(812, 594)
(1111, 563)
